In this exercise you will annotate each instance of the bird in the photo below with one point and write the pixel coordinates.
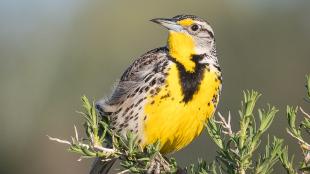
(168, 93)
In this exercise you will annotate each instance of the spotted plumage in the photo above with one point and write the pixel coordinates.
(168, 93)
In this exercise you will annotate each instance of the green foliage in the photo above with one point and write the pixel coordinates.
(270, 157)
(203, 168)
(235, 149)
(287, 163)
(95, 138)
(297, 133)
(235, 154)
(308, 86)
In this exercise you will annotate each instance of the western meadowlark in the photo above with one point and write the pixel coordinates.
(168, 93)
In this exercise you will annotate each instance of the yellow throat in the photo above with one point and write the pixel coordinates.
(182, 47)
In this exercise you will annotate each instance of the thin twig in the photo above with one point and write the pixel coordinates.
(226, 124)
(66, 142)
(76, 133)
(305, 113)
(299, 139)
(103, 149)
(124, 171)
(106, 160)
(59, 140)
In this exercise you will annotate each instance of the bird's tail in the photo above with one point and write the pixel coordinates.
(101, 167)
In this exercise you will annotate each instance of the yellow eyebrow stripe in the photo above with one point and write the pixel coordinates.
(185, 22)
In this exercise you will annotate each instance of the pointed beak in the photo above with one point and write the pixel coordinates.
(167, 23)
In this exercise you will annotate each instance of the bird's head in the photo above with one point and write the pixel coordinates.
(188, 35)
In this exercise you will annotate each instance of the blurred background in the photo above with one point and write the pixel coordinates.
(54, 51)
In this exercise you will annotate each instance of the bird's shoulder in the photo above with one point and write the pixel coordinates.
(146, 62)
(150, 65)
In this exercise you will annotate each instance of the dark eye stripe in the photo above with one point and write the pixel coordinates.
(209, 32)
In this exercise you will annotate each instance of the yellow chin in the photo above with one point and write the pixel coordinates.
(182, 47)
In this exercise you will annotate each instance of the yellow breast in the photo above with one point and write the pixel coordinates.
(176, 123)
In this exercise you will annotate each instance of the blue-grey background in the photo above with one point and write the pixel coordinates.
(54, 51)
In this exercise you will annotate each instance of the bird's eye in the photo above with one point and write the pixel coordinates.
(194, 27)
